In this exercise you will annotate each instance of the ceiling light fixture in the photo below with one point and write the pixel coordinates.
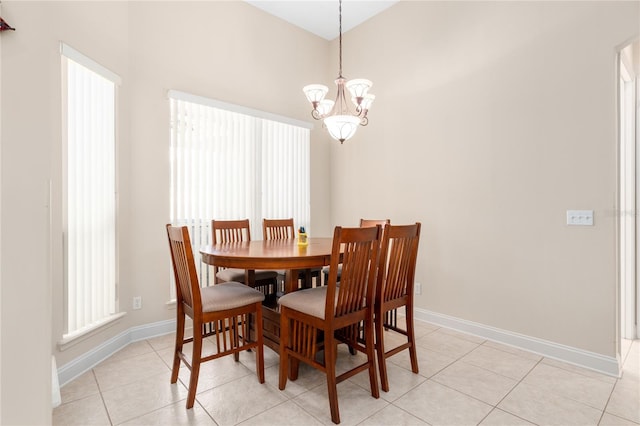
(339, 120)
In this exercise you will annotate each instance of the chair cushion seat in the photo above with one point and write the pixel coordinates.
(237, 275)
(311, 301)
(228, 295)
(326, 269)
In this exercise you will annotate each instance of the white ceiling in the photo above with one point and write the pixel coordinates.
(321, 17)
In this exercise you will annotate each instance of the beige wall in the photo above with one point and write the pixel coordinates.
(491, 120)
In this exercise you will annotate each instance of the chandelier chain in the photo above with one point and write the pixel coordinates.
(340, 32)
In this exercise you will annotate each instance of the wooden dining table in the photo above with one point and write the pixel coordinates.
(270, 254)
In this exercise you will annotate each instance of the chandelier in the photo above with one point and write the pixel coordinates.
(339, 119)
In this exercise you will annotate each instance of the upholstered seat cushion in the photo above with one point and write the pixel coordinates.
(228, 295)
(310, 301)
(232, 274)
(326, 270)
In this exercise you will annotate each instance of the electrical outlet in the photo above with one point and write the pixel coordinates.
(580, 217)
(137, 302)
(417, 289)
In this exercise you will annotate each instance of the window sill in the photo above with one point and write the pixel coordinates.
(72, 339)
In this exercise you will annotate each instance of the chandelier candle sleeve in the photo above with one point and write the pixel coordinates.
(325, 106)
(359, 88)
(315, 93)
(366, 101)
(338, 118)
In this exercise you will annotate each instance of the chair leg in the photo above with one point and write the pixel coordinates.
(284, 343)
(371, 357)
(178, 346)
(260, 341)
(330, 367)
(308, 281)
(294, 367)
(195, 364)
(352, 350)
(412, 339)
(234, 326)
(382, 361)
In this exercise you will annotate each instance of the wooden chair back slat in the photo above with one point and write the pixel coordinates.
(398, 261)
(186, 277)
(278, 229)
(398, 268)
(230, 231)
(360, 249)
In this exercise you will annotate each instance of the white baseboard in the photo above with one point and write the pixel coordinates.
(591, 360)
(87, 361)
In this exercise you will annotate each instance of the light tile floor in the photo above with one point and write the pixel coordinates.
(463, 380)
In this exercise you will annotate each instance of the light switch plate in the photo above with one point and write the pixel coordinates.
(580, 217)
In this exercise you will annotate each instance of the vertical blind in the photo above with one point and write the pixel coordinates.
(227, 164)
(90, 228)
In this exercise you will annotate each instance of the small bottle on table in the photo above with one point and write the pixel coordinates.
(303, 241)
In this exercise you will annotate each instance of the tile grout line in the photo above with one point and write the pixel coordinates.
(587, 404)
(511, 390)
(104, 404)
(172, 347)
(604, 410)
(497, 373)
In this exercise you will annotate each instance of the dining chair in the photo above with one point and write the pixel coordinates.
(282, 229)
(334, 313)
(224, 308)
(394, 290)
(236, 231)
(363, 224)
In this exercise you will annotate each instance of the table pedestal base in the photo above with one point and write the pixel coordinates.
(270, 326)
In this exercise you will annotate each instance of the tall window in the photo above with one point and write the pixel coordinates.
(230, 162)
(90, 191)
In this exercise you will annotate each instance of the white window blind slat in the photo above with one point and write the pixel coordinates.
(90, 197)
(227, 164)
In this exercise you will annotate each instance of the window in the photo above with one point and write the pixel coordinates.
(230, 162)
(89, 91)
